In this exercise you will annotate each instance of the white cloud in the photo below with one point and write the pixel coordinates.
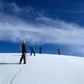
(46, 30)
(55, 32)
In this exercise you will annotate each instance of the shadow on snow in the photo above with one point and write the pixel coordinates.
(8, 63)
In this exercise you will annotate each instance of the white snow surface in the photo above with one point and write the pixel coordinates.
(41, 69)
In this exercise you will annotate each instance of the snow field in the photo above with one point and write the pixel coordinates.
(41, 69)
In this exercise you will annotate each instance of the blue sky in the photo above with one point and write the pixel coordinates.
(51, 24)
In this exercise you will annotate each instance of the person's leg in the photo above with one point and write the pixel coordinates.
(31, 53)
(34, 53)
(59, 53)
(21, 59)
(24, 58)
(41, 51)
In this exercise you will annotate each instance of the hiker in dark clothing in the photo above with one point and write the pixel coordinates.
(32, 50)
(23, 53)
(40, 50)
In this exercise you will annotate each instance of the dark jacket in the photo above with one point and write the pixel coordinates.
(40, 48)
(24, 48)
(58, 50)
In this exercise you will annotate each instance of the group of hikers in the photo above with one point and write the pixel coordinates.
(24, 51)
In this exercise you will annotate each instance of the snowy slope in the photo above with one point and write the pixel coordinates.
(41, 69)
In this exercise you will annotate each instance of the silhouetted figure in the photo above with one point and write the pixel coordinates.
(23, 48)
(40, 50)
(32, 50)
(58, 51)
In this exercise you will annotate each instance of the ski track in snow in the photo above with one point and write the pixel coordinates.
(16, 75)
(7, 59)
(17, 72)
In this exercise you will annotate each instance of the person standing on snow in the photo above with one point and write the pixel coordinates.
(23, 48)
(40, 50)
(32, 50)
(58, 51)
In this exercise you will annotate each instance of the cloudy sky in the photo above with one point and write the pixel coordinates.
(51, 24)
